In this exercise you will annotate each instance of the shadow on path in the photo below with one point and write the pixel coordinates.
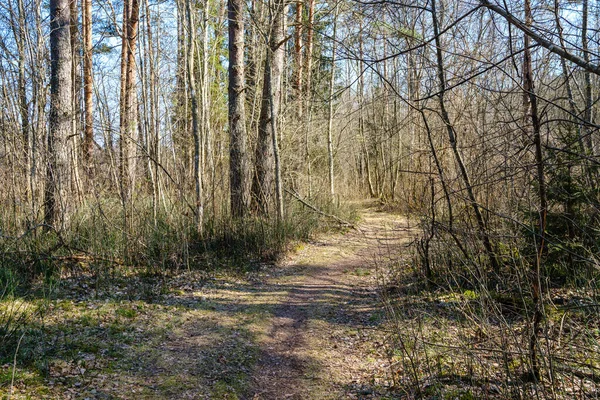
(317, 346)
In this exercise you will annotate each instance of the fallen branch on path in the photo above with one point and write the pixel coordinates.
(320, 212)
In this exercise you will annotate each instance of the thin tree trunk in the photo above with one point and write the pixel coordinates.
(531, 111)
(206, 151)
(453, 143)
(182, 131)
(199, 205)
(572, 105)
(278, 53)
(276, 156)
(361, 117)
(152, 106)
(330, 109)
(131, 98)
(587, 78)
(298, 58)
(309, 49)
(123, 108)
(86, 11)
(306, 95)
(39, 100)
(20, 32)
(255, 60)
(74, 142)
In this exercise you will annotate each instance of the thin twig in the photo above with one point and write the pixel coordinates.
(12, 380)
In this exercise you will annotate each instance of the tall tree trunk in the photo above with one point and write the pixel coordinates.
(361, 117)
(152, 106)
(238, 158)
(181, 134)
(132, 104)
(307, 92)
(86, 11)
(587, 78)
(199, 204)
(20, 32)
(128, 120)
(39, 99)
(310, 34)
(588, 116)
(123, 107)
(57, 170)
(206, 151)
(298, 57)
(74, 142)
(330, 109)
(254, 61)
(265, 179)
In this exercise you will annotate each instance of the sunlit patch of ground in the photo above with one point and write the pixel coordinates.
(303, 329)
(325, 339)
(190, 342)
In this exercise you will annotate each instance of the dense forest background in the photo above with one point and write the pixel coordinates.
(180, 134)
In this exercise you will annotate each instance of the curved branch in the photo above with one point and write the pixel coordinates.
(558, 50)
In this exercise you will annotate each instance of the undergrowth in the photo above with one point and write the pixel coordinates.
(461, 329)
(109, 257)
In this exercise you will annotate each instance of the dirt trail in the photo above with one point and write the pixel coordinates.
(305, 329)
(321, 343)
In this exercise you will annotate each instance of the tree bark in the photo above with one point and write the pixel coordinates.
(330, 110)
(75, 139)
(199, 204)
(128, 120)
(307, 93)
(57, 168)
(86, 11)
(238, 158)
(309, 49)
(20, 31)
(265, 180)
(298, 58)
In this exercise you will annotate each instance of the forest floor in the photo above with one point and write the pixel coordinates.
(310, 327)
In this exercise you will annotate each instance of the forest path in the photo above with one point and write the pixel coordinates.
(303, 329)
(321, 342)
